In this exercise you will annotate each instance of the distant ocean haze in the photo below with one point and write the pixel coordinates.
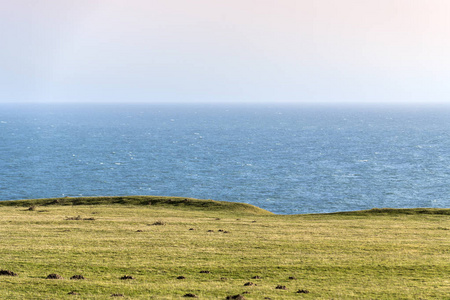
(288, 159)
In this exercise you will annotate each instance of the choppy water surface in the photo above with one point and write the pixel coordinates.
(284, 158)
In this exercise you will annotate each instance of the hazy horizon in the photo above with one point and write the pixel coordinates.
(172, 51)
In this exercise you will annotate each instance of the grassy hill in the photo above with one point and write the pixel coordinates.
(172, 248)
(159, 201)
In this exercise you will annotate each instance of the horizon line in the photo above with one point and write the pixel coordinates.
(231, 103)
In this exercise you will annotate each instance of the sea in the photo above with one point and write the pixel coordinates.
(285, 158)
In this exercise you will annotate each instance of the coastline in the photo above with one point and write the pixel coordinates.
(192, 203)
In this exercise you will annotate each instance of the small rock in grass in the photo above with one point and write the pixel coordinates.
(54, 276)
(139, 230)
(181, 277)
(126, 277)
(191, 228)
(237, 297)
(76, 277)
(280, 287)
(190, 295)
(220, 230)
(292, 278)
(249, 284)
(210, 230)
(205, 272)
(7, 273)
(256, 277)
(301, 291)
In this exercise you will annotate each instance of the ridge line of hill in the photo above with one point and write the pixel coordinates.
(192, 203)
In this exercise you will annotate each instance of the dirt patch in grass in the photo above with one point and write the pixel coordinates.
(79, 218)
(237, 297)
(73, 293)
(117, 295)
(7, 273)
(190, 295)
(159, 223)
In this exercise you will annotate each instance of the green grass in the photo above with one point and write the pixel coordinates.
(374, 254)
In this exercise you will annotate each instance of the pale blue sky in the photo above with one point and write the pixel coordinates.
(225, 51)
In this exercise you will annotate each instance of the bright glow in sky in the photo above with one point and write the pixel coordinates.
(225, 51)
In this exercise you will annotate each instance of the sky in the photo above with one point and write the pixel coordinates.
(294, 51)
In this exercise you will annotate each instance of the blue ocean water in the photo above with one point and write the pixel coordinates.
(288, 159)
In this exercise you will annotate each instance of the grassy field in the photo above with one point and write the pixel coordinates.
(175, 247)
